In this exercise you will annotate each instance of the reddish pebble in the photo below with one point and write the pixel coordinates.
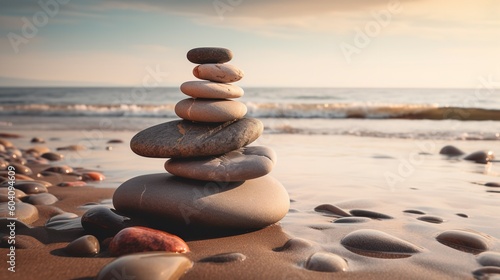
(141, 239)
(92, 176)
(72, 184)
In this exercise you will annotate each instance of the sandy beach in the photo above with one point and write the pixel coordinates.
(405, 188)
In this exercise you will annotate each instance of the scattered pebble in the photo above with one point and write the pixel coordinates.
(37, 140)
(332, 210)
(294, 244)
(326, 262)
(141, 239)
(352, 220)
(151, 266)
(418, 212)
(65, 224)
(487, 273)
(493, 185)
(9, 135)
(21, 169)
(63, 169)
(481, 156)
(40, 199)
(431, 219)
(92, 176)
(224, 258)
(52, 156)
(466, 241)
(5, 191)
(451, 151)
(25, 212)
(72, 148)
(6, 143)
(85, 246)
(369, 214)
(73, 184)
(63, 216)
(31, 187)
(462, 215)
(489, 259)
(115, 141)
(378, 244)
(102, 221)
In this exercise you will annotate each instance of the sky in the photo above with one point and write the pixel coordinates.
(277, 43)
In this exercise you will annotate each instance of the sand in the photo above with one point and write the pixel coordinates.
(386, 176)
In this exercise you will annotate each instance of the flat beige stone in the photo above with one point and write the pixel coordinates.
(210, 110)
(206, 89)
(222, 73)
(238, 165)
(172, 200)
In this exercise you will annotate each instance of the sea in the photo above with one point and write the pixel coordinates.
(447, 114)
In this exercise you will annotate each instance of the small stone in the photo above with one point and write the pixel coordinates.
(238, 165)
(209, 55)
(418, 212)
(72, 148)
(451, 151)
(72, 184)
(31, 187)
(225, 258)
(147, 266)
(85, 246)
(24, 212)
(205, 89)
(188, 139)
(103, 222)
(92, 176)
(466, 241)
(37, 140)
(7, 198)
(222, 73)
(295, 244)
(492, 185)
(115, 141)
(489, 259)
(331, 210)
(40, 199)
(141, 239)
(6, 143)
(17, 193)
(63, 216)
(487, 273)
(210, 110)
(369, 214)
(462, 215)
(38, 150)
(52, 156)
(326, 262)
(378, 244)
(109, 148)
(481, 156)
(352, 220)
(63, 169)
(431, 219)
(21, 169)
(173, 200)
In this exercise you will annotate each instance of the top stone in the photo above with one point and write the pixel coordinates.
(209, 55)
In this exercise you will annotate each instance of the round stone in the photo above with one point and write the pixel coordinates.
(92, 176)
(450, 150)
(40, 199)
(188, 139)
(37, 140)
(151, 266)
(238, 165)
(210, 110)
(481, 157)
(24, 212)
(173, 200)
(141, 239)
(222, 73)
(21, 169)
(463, 240)
(204, 89)
(85, 246)
(52, 156)
(102, 221)
(209, 55)
(326, 262)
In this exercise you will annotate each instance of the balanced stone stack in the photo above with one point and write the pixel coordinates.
(215, 180)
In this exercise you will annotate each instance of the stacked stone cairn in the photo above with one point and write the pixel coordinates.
(214, 180)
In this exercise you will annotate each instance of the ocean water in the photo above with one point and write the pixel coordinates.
(448, 114)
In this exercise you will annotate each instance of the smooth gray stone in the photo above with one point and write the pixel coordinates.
(63, 216)
(489, 259)
(187, 139)
(451, 151)
(209, 55)
(40, 199)
(146, 266)
(170, 199)
(238, 165)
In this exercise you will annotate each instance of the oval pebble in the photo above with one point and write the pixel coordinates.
(31, 187)
(210, 110)
(378, 244)
(52, 156)
(150, 266)
(102, 221)
(224, 258)
(326, 262)
(63, 216)
(65, 224)
(489, 259)
(418, 212)
(222, 73)
(37, 140)
(431, 219)
(92, 176)
(21, 169)
(141, 239)
(492, 185)
(85, 246)
(115, 141)
(487, 273)
(206, 89)
(72, 148)
(352, 220)
(332, 210)
(17, 193)
(209, 55)
(72, 184)
(294, 244)
(7, 198)
(25, 212)
(466, 241)
(6, 143)
(63, 169)
(40, 199)
(481, 156)
(450, 150)
(369, 214)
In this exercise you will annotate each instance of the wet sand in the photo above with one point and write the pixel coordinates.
(413, 194)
